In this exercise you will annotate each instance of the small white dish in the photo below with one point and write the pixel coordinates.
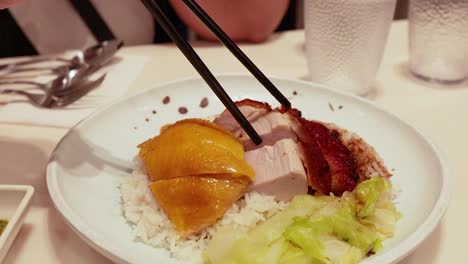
(87, 167)
(14, 205)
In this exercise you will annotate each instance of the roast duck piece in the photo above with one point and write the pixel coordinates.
(297, 153)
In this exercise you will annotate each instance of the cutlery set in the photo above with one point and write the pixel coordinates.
(71, 79)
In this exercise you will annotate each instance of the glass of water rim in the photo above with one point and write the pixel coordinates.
(438, 35)
(345, 41)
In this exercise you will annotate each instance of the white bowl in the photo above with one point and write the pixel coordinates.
(88, 165)
(14, 204)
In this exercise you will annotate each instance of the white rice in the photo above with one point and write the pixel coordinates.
(151, 225)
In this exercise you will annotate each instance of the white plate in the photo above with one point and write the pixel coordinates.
(14, 205)
(87, 166)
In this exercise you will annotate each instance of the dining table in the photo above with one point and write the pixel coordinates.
(439, 112)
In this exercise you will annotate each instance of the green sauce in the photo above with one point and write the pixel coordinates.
(3, 224)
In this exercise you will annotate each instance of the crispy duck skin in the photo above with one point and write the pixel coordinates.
(342, 165)
(255, 104)
(317, 169)
(331, 168)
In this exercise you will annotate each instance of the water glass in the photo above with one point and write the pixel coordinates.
(438, 35)
(345, 40)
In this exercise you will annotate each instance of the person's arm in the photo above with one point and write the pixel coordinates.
(242, 20)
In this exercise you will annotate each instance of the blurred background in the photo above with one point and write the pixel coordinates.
(11, 29)
(401, 12)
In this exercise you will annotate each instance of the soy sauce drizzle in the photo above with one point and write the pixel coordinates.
(183, 110)
(3, 224)
(204, 102)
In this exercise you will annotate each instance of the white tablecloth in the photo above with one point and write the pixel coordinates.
(119, 76)
(437, 112)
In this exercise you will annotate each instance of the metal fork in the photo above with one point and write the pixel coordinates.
(52, 99)
(76, 94)
(66, 79)
(97, 55)
(59, 83)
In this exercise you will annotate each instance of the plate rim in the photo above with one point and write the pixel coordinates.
(406, 246)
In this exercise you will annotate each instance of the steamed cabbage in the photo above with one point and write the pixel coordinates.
(314, 230)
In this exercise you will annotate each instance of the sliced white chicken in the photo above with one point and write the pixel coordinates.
(272, 127)
(251, 113)
(279, 170)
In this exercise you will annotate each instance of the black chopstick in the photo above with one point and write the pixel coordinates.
(236, 51)
(195, 60)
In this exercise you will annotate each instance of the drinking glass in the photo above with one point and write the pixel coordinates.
(438, 34)
(345, 40)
